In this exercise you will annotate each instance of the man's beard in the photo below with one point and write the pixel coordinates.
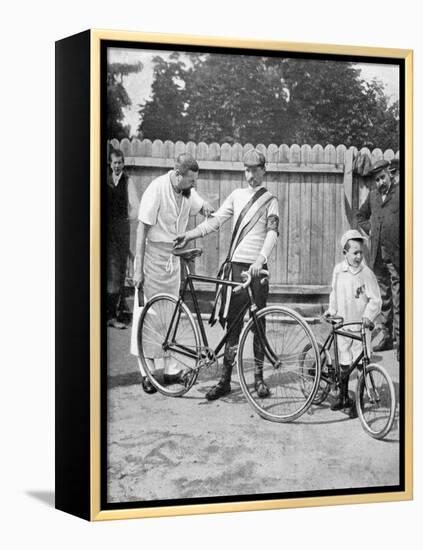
(186, 192)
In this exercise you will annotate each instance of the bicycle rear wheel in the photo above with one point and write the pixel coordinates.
(376, 403)
(168, 345)
(286, 351)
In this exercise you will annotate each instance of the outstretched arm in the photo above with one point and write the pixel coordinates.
(184, 238)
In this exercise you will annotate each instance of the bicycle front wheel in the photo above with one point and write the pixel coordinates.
(375, 399)
(281, 347)
(168, 345)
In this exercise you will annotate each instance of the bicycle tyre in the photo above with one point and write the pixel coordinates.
(152, 329)
(285, 331)
(376, 425)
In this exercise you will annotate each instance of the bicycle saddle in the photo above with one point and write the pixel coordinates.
(187, 254)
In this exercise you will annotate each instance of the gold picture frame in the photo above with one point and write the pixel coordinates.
(81, 461)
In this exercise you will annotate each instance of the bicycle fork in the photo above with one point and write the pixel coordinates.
(372, 392)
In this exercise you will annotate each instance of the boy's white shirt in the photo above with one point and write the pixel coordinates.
(355, 293)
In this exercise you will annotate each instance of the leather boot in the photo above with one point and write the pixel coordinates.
(260, 386)
(339, 402)
(223, 387)
(349, 404)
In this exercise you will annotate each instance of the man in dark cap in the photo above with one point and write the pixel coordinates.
(255, 219)
(379, 216)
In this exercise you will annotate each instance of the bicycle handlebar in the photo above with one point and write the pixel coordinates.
(337, 320)
(247, 275)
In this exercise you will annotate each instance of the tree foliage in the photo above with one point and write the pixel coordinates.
(163, 116)
(213, 97)
(118, 98)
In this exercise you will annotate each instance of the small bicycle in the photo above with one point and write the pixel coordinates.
(375, 394)
(273, 339)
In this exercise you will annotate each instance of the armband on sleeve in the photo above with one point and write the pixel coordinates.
(273, 223)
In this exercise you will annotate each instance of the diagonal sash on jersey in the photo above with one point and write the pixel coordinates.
(247, 219)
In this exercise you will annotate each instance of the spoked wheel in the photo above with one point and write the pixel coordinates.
(278, 351)
(376, 402)
(168, 345)
(307, 381)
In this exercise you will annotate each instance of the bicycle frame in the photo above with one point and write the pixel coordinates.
(363, 357)
(188, 285)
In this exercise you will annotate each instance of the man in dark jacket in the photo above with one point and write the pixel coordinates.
(121, 197)
(379, 216)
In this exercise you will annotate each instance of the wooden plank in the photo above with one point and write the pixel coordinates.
(125, 147)
(272, 153)
(272, 185)
(238, 166)
(376, 154)
(135, 147)
(318, 154)
(214, 152)
(169, 149)
(341, 222)
(294, 230)
(388, 154)
(330, 154)
(157, 150)
(306, 184)
(340, 154)
(146, 148)
(191, 149)
(305, 154)
(237, 152)
(328, 247)
(180, 148)
(282, 244)
(209, 188)
(348, 184)
(226, 152)
(202, 151)
(284, 154)
(316, 245)
(295, 154)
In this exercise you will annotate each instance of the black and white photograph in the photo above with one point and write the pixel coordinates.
(252, 275)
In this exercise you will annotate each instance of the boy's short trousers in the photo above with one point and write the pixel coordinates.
(350, 349)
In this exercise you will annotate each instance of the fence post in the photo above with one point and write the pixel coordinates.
(348, 187)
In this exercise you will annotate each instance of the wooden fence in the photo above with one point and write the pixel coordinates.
(317, 191)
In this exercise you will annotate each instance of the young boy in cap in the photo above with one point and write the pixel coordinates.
(255, 220)
(355, 296)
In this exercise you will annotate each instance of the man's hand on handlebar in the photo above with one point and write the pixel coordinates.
(256, 268)
(367, 323)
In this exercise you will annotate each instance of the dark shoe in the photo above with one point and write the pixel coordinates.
(220, 390)
(260, 387)
(114, 323)
(338, 404)
(173, 378)
(385, 344)
(352, 410)
(147, 386)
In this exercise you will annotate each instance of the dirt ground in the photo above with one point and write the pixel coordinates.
(170, 448)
